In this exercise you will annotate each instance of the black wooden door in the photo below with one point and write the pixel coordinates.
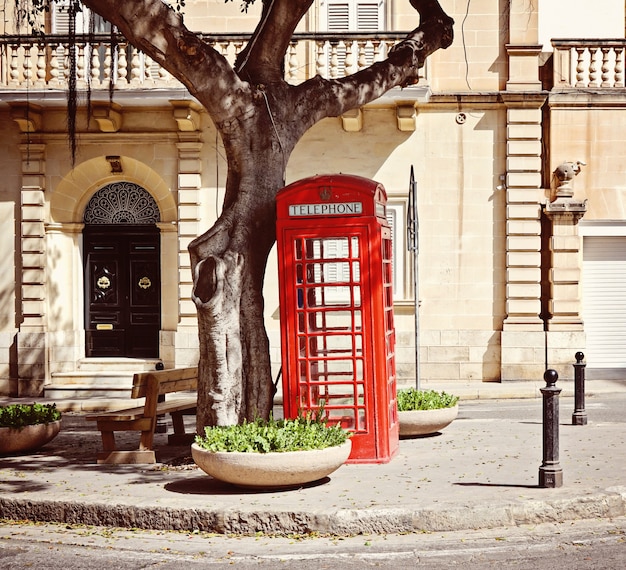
(123, 293)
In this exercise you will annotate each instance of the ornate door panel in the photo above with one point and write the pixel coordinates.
(122, 276)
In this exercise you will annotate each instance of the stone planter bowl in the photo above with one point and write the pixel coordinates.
(271, 470)
(28, 438)
(425, 422)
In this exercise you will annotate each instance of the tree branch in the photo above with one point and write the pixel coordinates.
(319, 98)
(157, 30)
(261, 62)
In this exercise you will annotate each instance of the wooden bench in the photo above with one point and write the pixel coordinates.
(149, 385)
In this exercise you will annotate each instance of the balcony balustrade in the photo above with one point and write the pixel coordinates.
(43, 63)
(36, 63)
(589, 64)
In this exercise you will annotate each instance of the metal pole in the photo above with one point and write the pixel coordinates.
(412, 231)
(579, 417)
(550, 472)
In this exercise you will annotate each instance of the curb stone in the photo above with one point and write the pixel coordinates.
(342, 522)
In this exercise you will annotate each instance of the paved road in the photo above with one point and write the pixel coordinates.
(583, 545)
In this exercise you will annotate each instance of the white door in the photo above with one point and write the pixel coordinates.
(604, 301)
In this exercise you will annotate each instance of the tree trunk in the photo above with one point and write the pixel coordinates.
(228, 264)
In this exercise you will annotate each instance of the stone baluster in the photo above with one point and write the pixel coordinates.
(41, 64)
(95, 65)
(292, 62)
(362, 56)
(108, 62)
(604, 69)
(54, 65)
(135, 67)
(333, 71)
(580, 67)
(593, 67)
(122, 65)
(28, 65)
(320, 61)
(619, 67)
(14, 74)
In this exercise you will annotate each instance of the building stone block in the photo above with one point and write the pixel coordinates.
(524, 115)
(448, 354)
(32, 292)
(523, 148)
(529, 307)
(523, 131)
(189, 181)
(518, 372)
(188, 196)
(566, 243)
(523, 243)
(188, 212)
(450, 338)
(524, 274)
(519, 163)
(33, 308)
(33, 276)
(565, 292)
(32, 229)
(565, 274)
(523, 290)
(32, 245)
(34, 213)
(523, 259)
(188, 228)
(32, 198)
(440, 371)
(523, 211)
(523, 227)
(523, 179)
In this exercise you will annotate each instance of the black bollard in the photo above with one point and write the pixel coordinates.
(550, 472)
(579, 417)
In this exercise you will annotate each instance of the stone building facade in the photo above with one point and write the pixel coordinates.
(517, 259)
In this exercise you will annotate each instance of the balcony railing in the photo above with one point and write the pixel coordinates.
(589, 64)
(44, 62)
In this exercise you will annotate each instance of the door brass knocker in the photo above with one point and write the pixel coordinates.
(145, 283)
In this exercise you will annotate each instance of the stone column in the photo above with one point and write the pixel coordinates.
(189, 215)
(32, 361)
(523, 339)
(565, 334)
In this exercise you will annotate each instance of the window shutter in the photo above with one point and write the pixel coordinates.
(61, 17)
(367, 16)
(338, 17)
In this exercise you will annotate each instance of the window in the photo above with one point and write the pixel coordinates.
(351, 16)
(396, 218)
(61, 20)
(354, 15)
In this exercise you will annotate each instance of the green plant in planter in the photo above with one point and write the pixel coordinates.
(410, 399)
(305, 432)
(18, 416)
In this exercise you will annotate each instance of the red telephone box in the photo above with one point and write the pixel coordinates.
(336, 309)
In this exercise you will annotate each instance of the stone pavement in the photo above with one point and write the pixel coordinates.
(477, 473)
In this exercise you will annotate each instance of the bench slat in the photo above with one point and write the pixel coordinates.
(148, 385)
(165, 377)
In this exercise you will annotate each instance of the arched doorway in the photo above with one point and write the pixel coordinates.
(121, 246)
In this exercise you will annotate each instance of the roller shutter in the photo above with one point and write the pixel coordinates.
(604, 301)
